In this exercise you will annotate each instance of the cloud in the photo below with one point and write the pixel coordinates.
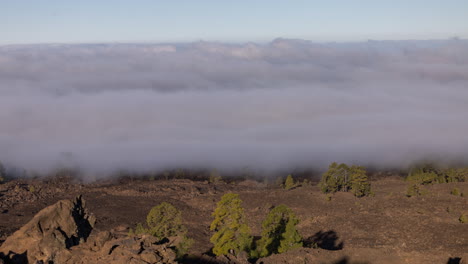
(284, 104)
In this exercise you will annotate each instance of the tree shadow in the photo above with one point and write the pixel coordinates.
(325, 240)
(454, 261)
(346, 260)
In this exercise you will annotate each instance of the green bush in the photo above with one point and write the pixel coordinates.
(424, 178)
(165, 221)
(360, 185)
(232, 235)
(413, 190)
(344, 178)
(335, 178)
(463, 218)
(456, 174)
(2, 173)
(289, 183)
(140, 229)
(455, 192)
(430, 174)
(215, 177)
(279, 232)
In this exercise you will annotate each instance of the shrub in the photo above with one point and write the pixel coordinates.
(455, 192)
(279, 233)
(360, 185)
(413, 190)
(289, 183)
(344, 178)
(215, 177)
(183, 246)
(463, 218)
(421, 177)
(456, 174)
(335, 178)
(140, 229)
(232, 235)
(429, 174)
(2, 173)
(165, 221)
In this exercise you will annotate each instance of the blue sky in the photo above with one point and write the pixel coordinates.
(67, 21)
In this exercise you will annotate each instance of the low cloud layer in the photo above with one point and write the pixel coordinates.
(285, 104)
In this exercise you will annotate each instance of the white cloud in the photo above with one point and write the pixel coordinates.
(277, 105)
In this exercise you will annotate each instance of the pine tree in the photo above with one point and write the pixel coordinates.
(360, 185)
(289, 183)
(456, 174)
(164, 221)
(290, 238)
(232, 235)
(2, 173)
(336, 178)
(344, 178)
(140, 229)
(279, 233)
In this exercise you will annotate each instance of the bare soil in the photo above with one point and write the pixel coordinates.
(386, 228)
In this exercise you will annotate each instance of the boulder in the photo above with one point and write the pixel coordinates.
(55, 228)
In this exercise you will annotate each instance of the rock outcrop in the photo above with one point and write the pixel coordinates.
(63, 233)
(110, 247)
(60, 226)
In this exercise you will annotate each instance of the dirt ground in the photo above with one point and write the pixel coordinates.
(386, 228)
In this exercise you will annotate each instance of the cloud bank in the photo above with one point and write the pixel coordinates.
(284, 104)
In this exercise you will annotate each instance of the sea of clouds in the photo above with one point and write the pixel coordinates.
(278, 105)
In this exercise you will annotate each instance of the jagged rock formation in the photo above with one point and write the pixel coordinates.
(63, 233)
(60, 226)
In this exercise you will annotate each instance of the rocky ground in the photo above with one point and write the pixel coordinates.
(386, 228)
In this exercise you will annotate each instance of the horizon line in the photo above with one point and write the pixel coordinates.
(234, 42)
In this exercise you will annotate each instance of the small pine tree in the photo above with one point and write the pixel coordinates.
(279, 233)
(164, 221)
(463, 218)
(336, 178)
(289, 183)
(456, 174)
(422, 177)
(183, 246)
(360, 185)
(344, 178)
(232, 235)
(290, 238)
(215, 177)
(413, 190)
(2, 173)
(455, 192)
(140, 229)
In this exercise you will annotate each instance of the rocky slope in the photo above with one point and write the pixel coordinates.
(63, 233)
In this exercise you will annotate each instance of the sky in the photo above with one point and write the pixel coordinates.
(66, 21)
